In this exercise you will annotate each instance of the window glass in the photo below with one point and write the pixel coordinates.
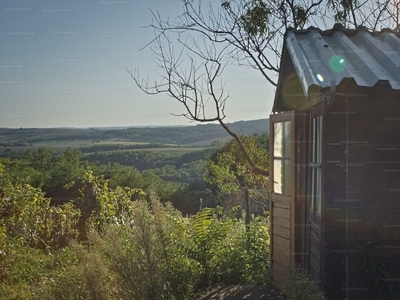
(278, 176)
(282, 157)
(318, 195)
(287, 136)
(278, 128)
(287, 177)
(315, 164)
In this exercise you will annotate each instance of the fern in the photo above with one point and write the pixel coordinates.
(381, 279)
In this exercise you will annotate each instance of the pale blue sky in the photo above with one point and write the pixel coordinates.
(63, 63)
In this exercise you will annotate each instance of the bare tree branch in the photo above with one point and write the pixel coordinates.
(255, 169)
(192, 51)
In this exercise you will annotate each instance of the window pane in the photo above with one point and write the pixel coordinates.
(314, 139)
(319, 159)
(287, 139)
(278, 176)
(312, 188)
(278, 128)
(316, 170)
(286, 176)
(282, 158)
(318, 195)
(282, 139)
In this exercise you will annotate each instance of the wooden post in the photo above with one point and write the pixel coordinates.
(247, 208)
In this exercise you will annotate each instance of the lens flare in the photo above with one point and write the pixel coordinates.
(320, 78)
(337, 63)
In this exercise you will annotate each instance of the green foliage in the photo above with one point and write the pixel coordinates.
(241, 255)
(112, 206)
(229, 169)
(26, 214)
(134, 247)
(150, 259)
(48, 170)
(380, 279)
(256, 17)
(33, 237)
(227, 251)
(229, 173)
(299, 286)
(59, 174)
(343, 9)
(175, 176)
(85, 277)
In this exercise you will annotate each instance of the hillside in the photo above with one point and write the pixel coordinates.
(130, 138)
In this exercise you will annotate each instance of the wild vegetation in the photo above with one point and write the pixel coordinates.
(154, 225)
(116, 248)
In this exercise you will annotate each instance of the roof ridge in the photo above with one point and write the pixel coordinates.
(341, 27)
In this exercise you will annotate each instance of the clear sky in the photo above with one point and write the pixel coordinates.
(63, 63)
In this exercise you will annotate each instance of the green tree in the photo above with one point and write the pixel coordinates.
(28, 216)
(65, 169)
(32, 234)
(229, 173)
(49, 170)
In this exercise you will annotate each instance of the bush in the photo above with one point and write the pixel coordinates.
(136, 250)
(242, 256)
(85, 277)
(150, 258)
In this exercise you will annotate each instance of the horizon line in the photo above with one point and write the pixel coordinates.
(130, 126)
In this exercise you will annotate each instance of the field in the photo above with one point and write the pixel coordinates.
(93, 140)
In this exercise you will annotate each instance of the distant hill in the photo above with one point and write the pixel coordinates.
(199, 135)
(195, 135)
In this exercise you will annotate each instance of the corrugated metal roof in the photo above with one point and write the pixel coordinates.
(320, 57)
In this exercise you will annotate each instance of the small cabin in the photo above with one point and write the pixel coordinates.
(335, 161)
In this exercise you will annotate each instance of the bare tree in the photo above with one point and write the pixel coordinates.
(193, 51)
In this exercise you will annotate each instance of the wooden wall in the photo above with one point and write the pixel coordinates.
(362, 187)
(280, 240)
(333, 207)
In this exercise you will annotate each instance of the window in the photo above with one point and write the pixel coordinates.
(316, 164)
(282, 157)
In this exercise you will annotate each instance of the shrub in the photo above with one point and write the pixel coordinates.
(130, 250)
(242, 257)
(86, 275)
(150, 258)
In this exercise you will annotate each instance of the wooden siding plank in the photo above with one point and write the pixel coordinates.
(281, 256)
(281, 213)
(282, 205)
(280, 269)
(280, 250)
(280, 198)
(377, 217)
(368, 200)
(383, 153)
(279, 274)
(280, 222)
(282, 260)
(282, 232)
(285, 243)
